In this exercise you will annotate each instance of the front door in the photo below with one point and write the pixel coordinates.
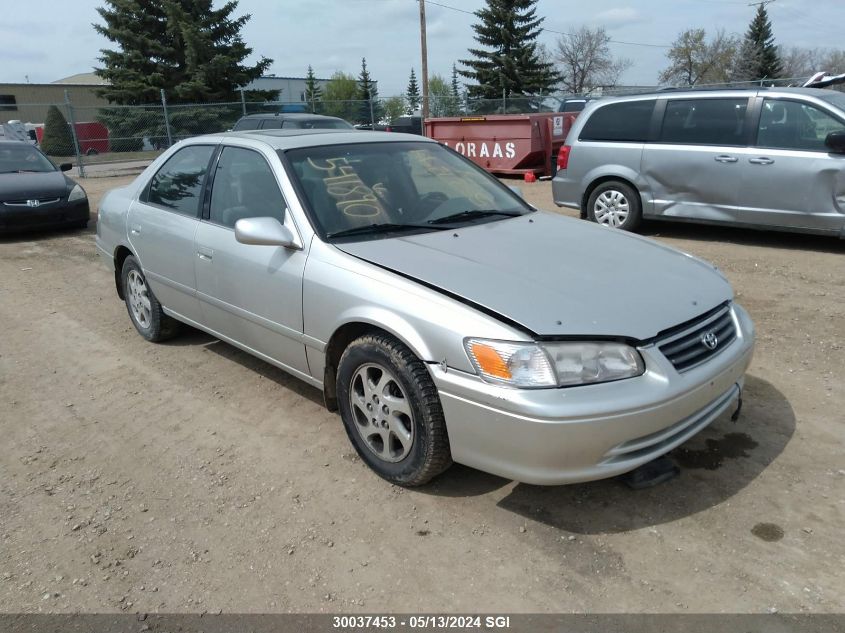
(789, 177)
(251, 295)
(162, 225)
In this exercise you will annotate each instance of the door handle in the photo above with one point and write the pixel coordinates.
(135, 229)
(205, 254)
(761, 161)
(726, 159)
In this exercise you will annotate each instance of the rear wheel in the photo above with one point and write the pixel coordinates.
(616, 205)
(144, 309)
(391, 411)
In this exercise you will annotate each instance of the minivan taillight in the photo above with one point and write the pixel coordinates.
(563, 157)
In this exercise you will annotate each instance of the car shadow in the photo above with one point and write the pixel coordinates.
(192, 337)
(743, 236)
(714, 466)
(46, 235)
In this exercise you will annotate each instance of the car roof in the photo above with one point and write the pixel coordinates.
(683, 93)
(288, 115)
(293, 139)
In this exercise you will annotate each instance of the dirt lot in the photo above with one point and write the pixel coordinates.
(191, 477)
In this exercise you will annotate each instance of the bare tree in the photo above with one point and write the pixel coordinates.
(694, 60)
(586, 61)
(801, 62)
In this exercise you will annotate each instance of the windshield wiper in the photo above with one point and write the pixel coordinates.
(471, 215)
(381, 227)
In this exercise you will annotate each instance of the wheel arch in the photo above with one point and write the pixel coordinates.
(600, 181)
(353, 329)
(120, 255)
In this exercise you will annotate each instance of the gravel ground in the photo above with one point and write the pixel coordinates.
(191, 477)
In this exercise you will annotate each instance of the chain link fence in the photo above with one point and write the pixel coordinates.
(121, 139)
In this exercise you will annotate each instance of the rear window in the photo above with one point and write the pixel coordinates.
(705, 122)
(246, 124)
(318, 124)
(573, 106)
(628, 121)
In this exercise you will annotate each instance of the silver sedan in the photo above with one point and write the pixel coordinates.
(445, 318)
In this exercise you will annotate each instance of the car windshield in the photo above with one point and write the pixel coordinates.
(396, 187)
(21, 157)
(318, 124)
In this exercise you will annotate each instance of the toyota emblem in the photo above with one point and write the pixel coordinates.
(710, 340)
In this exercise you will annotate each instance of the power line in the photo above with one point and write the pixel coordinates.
(542, 28)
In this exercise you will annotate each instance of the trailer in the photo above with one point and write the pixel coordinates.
(93, 137)
(506, 144)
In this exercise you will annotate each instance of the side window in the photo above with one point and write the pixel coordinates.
(705, 122)
(272, 124)
(628, 121)
(177, 185)
(794, 125)
(244, 187)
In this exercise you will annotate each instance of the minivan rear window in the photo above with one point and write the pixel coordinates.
(246, 124)
(705, 122)
(628, 121)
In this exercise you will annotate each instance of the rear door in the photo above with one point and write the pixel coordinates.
(694, 170)
(162, 224)
(790, 179)
(249, 294)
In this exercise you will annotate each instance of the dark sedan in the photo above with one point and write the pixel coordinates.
(35, 194)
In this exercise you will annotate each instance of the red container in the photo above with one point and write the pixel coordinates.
(505, 143)
(93, 137)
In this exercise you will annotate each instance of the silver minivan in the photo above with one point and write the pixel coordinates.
(764, 158)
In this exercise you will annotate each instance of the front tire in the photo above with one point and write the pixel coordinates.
(615, 204)
(391, 411)
(144, 309)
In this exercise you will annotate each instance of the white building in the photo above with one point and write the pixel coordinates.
(289, 89)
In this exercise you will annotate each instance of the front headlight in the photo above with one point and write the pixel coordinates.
(585, 363)
(77, 193)
(533, 365)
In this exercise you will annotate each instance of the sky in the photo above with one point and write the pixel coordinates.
(45, 40)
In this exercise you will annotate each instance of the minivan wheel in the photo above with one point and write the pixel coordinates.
(144, 309)
(616, 205)
(391, 411)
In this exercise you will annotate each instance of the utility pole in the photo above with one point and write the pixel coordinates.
(424, 65)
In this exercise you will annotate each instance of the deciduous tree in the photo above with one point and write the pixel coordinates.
(586, 61)
(693, 59)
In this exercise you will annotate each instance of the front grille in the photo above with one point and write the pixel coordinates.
(25, 203)
(687, 348)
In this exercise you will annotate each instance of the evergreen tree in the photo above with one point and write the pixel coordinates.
(313, 92)
(368, 96)
(509, 63)
(766, 63)
(58, 138)
(456, 88)
(192, 51)
(412, 94)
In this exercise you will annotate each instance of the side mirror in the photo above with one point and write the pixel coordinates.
(835, 142)
(516, 190)
(66, 166)
(263, 232)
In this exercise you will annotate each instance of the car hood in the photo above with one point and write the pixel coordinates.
(50, 184)
(557, 276)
